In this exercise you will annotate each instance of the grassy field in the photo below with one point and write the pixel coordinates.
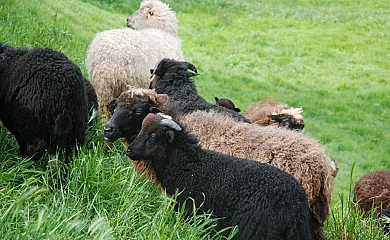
(330, 57)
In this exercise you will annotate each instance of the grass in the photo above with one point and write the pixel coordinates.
(330, 57)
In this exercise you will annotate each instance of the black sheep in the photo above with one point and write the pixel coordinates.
(173, 78)
(43, 99)
(263, 201)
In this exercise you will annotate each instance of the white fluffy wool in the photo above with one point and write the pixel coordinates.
(120, 57)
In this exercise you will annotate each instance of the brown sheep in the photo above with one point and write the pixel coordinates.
(290, 151)
(268, 112)
(373, 190)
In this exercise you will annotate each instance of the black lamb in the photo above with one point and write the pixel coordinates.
(173, 78)
(43, 101)
(263, 201)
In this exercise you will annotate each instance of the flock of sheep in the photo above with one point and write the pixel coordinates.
(257, 171)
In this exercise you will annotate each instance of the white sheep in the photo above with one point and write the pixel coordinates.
(120, 57)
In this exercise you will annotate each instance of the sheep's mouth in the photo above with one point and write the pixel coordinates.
(133, 155)
(110, 139)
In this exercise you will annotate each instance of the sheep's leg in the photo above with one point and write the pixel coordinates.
(22, 145)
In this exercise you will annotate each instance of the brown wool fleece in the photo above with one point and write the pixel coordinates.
(291, 151)
(258, 113)
(373, 189)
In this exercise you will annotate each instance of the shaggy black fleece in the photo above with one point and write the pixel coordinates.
(263, 201)
(174, 79)
(43, 99)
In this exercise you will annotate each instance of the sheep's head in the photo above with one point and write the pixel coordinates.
(289, 118)
(157, 132)
(227, 103)
(130, 109)
(154, 14)
(168, 66)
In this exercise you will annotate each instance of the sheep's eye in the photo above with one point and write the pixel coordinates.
(152, 136)
(150, 140)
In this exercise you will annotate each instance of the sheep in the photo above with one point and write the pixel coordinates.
(43, 99)
(263, 201)
(120, 57)
(227, 103)
(373, 191)
(288, 150)
(268, 112)
(171, 77)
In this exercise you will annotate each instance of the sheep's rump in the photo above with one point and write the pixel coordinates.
(120, 57)
(45, 100)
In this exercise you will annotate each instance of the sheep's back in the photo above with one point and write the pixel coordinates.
(288, 150)
(125, 56)
(45, 95)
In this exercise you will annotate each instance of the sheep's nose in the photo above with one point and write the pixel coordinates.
(108, 130)
(110, 133)
(128, 151)
(133, 155)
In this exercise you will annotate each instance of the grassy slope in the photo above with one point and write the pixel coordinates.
(330, 57)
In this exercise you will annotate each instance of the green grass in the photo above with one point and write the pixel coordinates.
(330, 57)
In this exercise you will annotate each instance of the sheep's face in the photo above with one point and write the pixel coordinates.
(148, 144)
(127, 118)
(153, 14)
(168, 66)
(156, 135)
(288, 121)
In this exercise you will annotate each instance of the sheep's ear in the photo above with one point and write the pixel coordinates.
(237, 109)
(192, 74)
(191, 67)
(150, 13)
(216, 99)
(170, 135)
(151, 71)
(112, 104)
(154, 110)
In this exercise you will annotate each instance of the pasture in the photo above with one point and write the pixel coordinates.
(332, 58)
